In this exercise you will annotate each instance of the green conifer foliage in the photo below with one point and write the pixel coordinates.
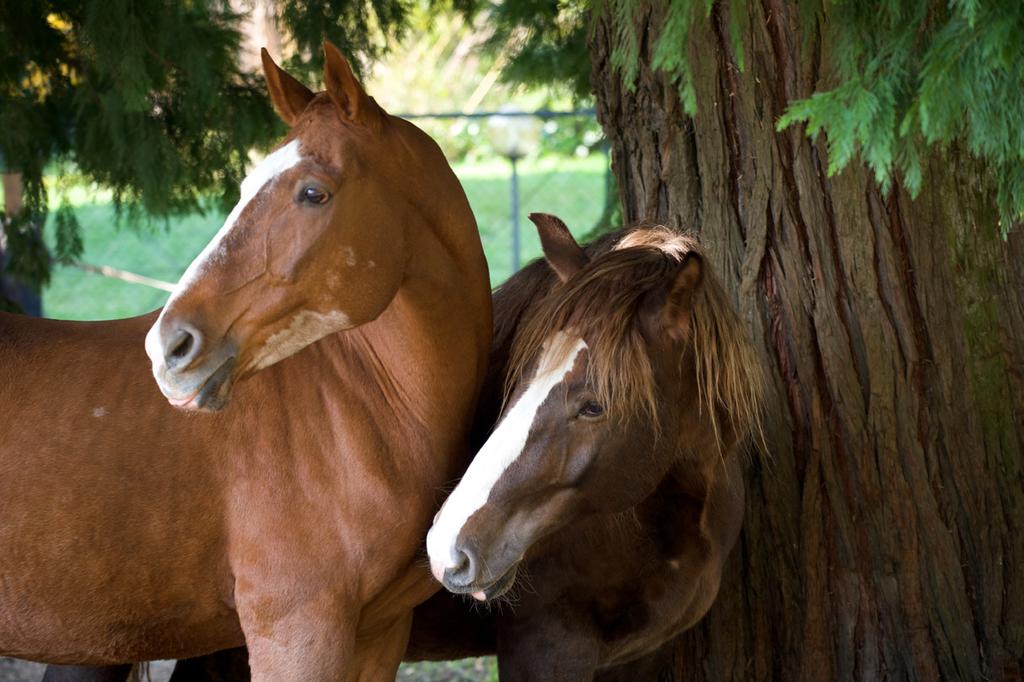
(360, 28)
(548, 41)
(910, 77)
(147, 98)
(914, 75)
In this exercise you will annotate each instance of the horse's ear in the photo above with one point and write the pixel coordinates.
(672, 307)
(561, 251)
(289, 96)
(354, 105)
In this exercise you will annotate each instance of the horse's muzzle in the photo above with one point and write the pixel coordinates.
(468, 575)
(191, 373)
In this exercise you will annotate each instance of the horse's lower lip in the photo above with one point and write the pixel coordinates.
(492, 591)
(207, 396)
(499, 586)
(182, 402)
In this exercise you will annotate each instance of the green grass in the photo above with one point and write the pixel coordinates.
(467, 670)
(573, 189)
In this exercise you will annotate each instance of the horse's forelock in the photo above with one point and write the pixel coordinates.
(730, 380)
(602, 304)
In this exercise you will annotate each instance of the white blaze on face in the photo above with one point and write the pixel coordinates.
(500, 451)
(264, 173)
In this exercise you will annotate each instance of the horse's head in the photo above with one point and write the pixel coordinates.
(612, 383)
(316, 244)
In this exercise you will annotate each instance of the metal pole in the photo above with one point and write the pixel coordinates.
(515, 215)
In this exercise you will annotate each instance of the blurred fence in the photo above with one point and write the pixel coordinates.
(513, 162)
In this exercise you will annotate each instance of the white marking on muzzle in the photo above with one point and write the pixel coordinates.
(499, 452)
(266, 171)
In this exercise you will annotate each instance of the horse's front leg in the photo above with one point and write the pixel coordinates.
(293, 639)
(378, 658)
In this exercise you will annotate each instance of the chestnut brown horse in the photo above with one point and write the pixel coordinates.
(623, 496)
(344, 312)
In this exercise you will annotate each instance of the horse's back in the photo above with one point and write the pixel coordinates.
(65, 385)
(63, 353)
(20, 331)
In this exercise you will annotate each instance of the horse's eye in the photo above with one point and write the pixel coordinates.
(590, 410)
(315, 195)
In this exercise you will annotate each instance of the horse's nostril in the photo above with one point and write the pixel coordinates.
(181, 348)
(184, 345)
(463, 568)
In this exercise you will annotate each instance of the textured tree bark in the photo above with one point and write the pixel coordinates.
(884, 534)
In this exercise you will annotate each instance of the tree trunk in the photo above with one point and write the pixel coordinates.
(884, 533)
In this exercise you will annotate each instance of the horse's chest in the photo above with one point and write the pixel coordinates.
(335, 491)
(635, 597)
(638, 616)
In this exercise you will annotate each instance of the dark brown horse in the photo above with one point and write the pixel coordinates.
(611, 479)
(623, 498)
(344, 311)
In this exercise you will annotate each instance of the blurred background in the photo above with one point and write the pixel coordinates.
(517, 147)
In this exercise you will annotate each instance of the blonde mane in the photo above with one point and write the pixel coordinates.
(602, 303)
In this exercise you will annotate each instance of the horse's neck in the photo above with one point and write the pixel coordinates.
(435, 336)
(696, 509)
(423, 358)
